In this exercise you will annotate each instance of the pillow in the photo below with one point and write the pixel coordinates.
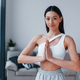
(14, 60)
(11, 66)
(36, 65)
(28, 65)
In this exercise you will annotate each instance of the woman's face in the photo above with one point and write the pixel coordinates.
(52, 20)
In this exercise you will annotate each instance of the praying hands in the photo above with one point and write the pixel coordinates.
(47, 51)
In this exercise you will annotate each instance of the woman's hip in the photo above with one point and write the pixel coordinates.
(50, 75)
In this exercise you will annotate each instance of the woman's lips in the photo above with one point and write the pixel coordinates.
(52, 25)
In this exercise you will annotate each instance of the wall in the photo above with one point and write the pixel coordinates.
(25, 19)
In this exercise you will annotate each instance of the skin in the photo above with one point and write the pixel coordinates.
(48, 62)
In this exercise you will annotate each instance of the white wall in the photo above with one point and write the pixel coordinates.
(25, 19)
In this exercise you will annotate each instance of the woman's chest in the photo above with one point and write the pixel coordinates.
(57, 50)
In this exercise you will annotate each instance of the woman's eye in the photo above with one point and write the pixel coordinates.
(54, 18)
(47, 18)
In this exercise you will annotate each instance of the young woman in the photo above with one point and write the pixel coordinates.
(51, 48)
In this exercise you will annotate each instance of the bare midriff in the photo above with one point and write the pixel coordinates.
(49, 66)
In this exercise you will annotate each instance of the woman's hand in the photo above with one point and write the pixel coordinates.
(48, 51)
(44, 56)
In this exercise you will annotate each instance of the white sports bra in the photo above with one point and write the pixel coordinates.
(58, 50)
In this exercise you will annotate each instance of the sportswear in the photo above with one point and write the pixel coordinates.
(58, 50)
(50, 75)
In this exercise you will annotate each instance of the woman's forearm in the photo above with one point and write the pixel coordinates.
(29, 59)
(66, 64)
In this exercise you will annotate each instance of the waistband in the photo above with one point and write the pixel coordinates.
(44, 72)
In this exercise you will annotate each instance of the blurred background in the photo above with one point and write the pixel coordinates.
(25, 18)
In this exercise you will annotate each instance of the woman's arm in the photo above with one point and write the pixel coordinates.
(74, 63)
(24, 56)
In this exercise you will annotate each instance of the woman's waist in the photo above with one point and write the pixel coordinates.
(48, 66)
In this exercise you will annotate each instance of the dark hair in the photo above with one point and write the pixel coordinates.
(57, 10)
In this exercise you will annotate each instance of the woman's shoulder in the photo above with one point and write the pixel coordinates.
(37, 37)
(68, 39)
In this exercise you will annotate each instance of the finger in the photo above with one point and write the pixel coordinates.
(46, 54)
(47, 43)
(45, 48)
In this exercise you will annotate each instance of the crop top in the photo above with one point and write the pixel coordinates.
(58, 50)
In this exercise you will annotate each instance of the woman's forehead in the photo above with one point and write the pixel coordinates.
(51, 14)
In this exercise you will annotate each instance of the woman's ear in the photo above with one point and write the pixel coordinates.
(61, 18)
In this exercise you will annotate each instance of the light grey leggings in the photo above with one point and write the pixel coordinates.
(50, 75)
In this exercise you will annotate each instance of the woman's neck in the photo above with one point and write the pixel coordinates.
(51, 33)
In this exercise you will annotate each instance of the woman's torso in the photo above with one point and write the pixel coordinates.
(57, 47)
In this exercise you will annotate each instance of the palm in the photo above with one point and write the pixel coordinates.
(48, 50)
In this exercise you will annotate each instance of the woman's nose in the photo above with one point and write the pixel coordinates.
(51, 21)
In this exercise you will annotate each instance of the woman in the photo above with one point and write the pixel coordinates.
(51, 48)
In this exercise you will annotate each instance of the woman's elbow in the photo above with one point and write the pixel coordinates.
(77, 67)
(19, 60)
